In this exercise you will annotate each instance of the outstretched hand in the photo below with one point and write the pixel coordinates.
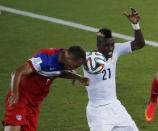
(133, 17)
(83, 80)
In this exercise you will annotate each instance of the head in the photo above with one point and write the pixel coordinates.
(75, 56)
(105, 42)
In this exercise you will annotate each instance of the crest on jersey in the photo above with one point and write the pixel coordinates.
(37, 60)
(19, 117)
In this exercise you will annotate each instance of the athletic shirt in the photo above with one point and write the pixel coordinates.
(154, 89)
(102, 87)
(35, 87)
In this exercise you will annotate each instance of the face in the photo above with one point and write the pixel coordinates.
(106, 46)
(109, 46)
(71, 63)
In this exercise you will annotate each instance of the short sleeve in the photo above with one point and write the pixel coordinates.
(36, 63)
(45, 62)
(123, 48)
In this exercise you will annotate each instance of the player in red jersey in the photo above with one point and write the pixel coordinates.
(151, 106)
(31, 82)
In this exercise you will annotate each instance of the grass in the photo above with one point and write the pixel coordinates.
(64, 108)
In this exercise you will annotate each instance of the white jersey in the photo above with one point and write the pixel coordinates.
(102, 87)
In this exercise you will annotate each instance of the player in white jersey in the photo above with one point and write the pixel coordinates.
(104, 110)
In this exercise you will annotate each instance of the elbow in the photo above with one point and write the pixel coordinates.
(141, 44)
(18, 72)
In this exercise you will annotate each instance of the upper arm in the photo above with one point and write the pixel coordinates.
(31, 65)
(67, 73)
(25, 69)
(123, 48)
(39, 60)
(139, 41)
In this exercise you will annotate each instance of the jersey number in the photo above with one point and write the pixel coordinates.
(106, 74)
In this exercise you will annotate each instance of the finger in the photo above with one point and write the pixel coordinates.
(73, 82)
(136, 13)
(126, 13)
(10, 102)
(10, 99)
(133, 10)
(15, 100)
(87, 83)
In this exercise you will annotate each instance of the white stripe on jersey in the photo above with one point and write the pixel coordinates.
(50, 74)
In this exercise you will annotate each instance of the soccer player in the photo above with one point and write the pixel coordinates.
(31, 82)
(151, 106)
(104, 111)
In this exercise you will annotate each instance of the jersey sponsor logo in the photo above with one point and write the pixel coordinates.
(52, 68)
(19, 117)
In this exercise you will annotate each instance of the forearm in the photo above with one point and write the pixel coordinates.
(74, 76)
(134, 18)
(139, 41)
(16, 77)
(15, 81)
(139, 38)
(70, 75)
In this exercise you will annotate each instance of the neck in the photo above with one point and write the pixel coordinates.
(61, 56)
(105, 54)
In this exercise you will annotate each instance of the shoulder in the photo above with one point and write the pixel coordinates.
(122, 46)
(128, 43)
(48, 51)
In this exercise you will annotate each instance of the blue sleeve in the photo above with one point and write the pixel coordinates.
(46, 65)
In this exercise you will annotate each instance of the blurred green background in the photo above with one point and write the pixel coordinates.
(64, 108)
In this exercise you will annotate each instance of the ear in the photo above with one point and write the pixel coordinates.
(66, 53)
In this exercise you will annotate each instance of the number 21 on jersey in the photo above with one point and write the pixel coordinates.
(106, 74)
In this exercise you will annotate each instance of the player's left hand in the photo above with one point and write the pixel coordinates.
(133, 17)
(73, 82)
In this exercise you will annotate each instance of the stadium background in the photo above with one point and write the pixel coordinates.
(64, 108)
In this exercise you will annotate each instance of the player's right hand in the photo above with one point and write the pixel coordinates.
(13, 99)
(84, 81)
(133, 17)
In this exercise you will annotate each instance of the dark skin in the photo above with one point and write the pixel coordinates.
(70, 63)
(136, 44)
(65, 58)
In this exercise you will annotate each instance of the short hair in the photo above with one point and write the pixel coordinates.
(77, 52)
(106, 32)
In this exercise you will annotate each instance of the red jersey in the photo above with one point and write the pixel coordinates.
(35, 87)
(154, 89)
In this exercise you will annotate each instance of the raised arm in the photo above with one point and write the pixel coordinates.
(134, 18)
(26, 69)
